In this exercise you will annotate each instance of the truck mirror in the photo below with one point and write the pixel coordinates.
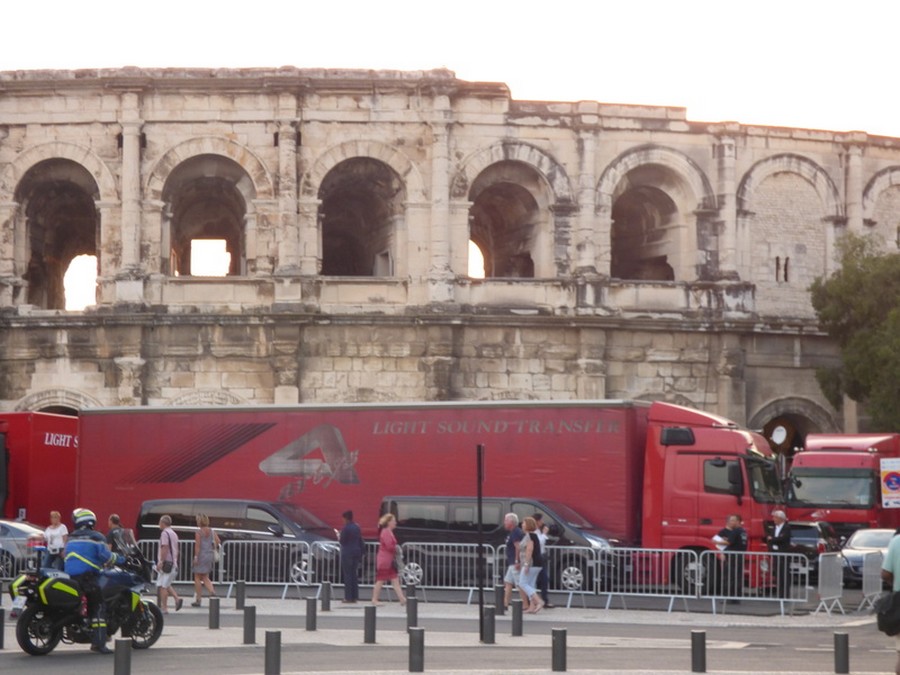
(277, 530)
(735, 480)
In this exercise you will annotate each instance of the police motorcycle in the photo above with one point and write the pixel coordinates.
(52, 607)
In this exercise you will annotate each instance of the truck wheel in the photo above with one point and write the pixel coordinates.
(687, 573)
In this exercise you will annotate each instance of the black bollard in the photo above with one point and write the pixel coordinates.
(698, 651)
(214, 613)
(490, 626)
(417, 650)
(412, 612)
(559, 650)
(122, 657)
(250, 625)
(369, 627)
(240, 595)
(516, 605)
(326, 596)
(410, 590)
(841, 653)
(273, 652)
(2, 624)
(499, 607)
(310, 614)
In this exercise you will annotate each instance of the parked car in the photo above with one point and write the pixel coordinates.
(861, 542)
(813, 538)
(271, 531)
(18, 542)
(452, 520)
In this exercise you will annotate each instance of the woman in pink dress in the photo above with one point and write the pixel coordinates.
(385, 570)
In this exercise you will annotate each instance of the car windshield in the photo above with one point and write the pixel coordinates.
(848, 488)
(570, 516)
(307, 520)
(870, 539)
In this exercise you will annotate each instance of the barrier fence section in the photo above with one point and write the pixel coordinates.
(432, 565)
(746, 575)
(648, 572)
(872, 585)
(831, 582)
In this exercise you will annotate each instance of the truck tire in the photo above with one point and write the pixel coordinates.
(687, 573)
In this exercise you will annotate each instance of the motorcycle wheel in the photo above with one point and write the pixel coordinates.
(148, 627)
(35, 633)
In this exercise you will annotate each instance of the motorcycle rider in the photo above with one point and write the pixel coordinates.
(86, 555)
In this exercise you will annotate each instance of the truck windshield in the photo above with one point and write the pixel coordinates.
(764, 481)
(847, 488)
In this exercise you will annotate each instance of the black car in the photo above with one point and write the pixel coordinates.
(811, 539)
(862, 542)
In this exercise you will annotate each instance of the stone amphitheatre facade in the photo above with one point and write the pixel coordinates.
(628, 252)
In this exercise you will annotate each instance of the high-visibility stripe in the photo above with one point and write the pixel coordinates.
(72, 554)
(56, 585)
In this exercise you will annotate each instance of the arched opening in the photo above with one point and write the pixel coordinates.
(207, 199)
(80, 282)
(645, 224)
(362, 200)
(60, 410)
(58, 202)
(476, 261)
(506, 217)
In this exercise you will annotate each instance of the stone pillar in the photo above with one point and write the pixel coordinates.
(726, 157)
(309, 239)
(585, 253)
(131, 184)
(440, 275)
(110, 288)
(288, 262)
(12, 244)
(854, 188)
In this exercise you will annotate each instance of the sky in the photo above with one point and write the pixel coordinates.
(812, 64)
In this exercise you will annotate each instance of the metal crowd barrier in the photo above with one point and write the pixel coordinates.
(736, 576)
(432, 565)
(150, 550)
(872, 585)
(831, 582)
(648, 572)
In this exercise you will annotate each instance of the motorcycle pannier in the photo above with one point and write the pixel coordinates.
(59, 592)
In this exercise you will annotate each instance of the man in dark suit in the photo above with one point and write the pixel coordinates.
(779, 541)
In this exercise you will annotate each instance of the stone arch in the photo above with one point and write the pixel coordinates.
(262, 185)
(791, 163)
(658, 202)
(212, 397)
(65, 398)
(400, 163)
(85, 157)
(802, 415)
(551, 171)
(881, 181)
(679, 163)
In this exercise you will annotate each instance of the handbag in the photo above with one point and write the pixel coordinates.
(167, 566)
(397, 562)
(217, 554)
(887, 609)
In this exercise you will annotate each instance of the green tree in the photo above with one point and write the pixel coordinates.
(859, 306)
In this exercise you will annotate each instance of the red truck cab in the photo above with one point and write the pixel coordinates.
(837, 478)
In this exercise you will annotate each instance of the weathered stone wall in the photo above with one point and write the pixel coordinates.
(628, 251)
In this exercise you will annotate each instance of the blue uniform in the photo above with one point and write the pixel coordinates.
(86, 552)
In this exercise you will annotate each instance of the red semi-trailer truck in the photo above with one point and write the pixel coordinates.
(656, 475)
(837, 477)
(37, 465)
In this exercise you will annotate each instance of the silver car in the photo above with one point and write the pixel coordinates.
(862, 542)
(19, 547)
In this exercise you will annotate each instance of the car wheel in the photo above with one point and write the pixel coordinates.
(7, 565)
(574, 575)
(413, 573)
